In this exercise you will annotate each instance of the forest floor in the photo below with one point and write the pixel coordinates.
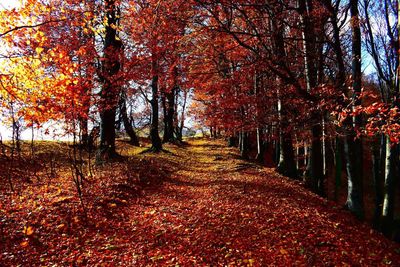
(195, 205)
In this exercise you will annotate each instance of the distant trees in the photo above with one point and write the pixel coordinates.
(100, 57)
(311, 54)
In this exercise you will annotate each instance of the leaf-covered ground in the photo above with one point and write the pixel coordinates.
(198, 205)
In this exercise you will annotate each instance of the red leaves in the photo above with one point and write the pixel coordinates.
(383, 118)
(196, 211)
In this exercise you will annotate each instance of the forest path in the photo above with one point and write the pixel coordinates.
(195, 205)
(216, 209)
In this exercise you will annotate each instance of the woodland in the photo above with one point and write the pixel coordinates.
(200, 133)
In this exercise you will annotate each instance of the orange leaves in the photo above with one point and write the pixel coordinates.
(60, 226)
(24, 244)
(283, 251)
(382, 118)
(46, 66)
(112, 205)
(28, 230)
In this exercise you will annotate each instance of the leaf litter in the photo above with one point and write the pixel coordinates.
(196, 206)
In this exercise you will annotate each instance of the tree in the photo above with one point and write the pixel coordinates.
(127, 120)
(315, 168)
(111, 85)
(52, 75)
(353, 143)
(383, 46)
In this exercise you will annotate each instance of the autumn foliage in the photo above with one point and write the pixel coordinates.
(303, 89)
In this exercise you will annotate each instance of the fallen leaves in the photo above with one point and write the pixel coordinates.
(24, 244)
(197, 212)
(28, 230)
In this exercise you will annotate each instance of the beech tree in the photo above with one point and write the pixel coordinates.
(353, 144)
(381, 41)
(111, 86)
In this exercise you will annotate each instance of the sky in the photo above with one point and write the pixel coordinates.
(7, 4)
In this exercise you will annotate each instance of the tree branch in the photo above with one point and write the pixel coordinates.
(28, 27)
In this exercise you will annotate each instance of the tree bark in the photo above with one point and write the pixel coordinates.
(110, 88)
(353, 152)
(260, 146)
(338, 166)
(179, 130)
(169, 114)
(84, 117)
(287, 164)
(156, 144)
(83, 126)
(378, 154)
(244, 145)
(391, 170)
(316, 170)
(232, 141)
(315, 167)
(353, 144)
(127, 121)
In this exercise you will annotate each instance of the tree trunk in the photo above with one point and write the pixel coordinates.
(239, 143)
(244, 149)
(179, 130)
(337, 47)
(169, 114)
(232, 141)
(110, 89)
(315, 164)
(338, 167)
(306, 157)
(309, 43)
(353, 151)
(287, 164)
(127, 122)
(84, 118)
(378, 154)
(156, 144)
(277, 151)
(353, 144)
(83, 126)
(260, 146)
(300, 157)
(315, 167)
(391, 170)
(107, 134)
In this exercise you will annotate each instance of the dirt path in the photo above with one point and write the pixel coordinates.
(199, 205)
